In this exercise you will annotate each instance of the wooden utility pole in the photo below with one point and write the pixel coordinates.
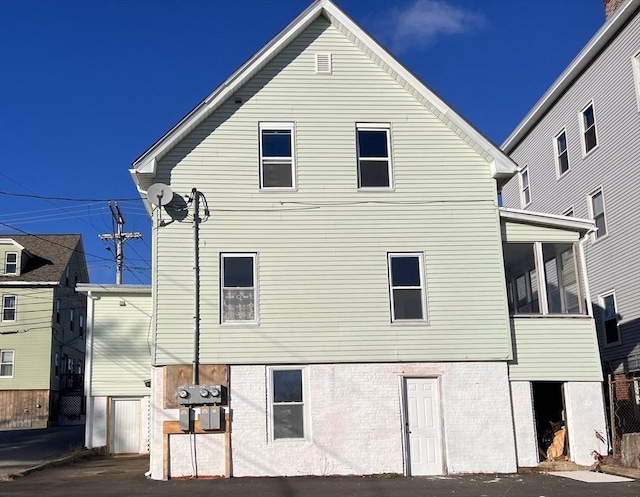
(119, 238)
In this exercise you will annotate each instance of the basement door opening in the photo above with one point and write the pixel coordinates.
(551, 421)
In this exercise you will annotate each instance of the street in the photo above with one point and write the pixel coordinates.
(124, 476)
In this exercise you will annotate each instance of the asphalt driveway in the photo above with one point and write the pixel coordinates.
(124, 476)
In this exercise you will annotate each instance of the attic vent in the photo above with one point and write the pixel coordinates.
(323, 63)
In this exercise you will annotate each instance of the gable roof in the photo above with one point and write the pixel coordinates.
(49, 255)
(502, 167)
(607, 32)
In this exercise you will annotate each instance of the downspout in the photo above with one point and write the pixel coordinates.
(583, 269)
(196, 276)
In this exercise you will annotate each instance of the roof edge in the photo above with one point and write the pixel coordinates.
(97, 288)
(551, 220)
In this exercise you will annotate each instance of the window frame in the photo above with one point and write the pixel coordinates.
(12, 363)
(277, 126)
(603, 321)
(525, 191)
(569, 212)
(255, 319)
(8, 308)
(557, 153)
(423, 288)
(635, 62)
(374, 126)
(57, 311)
(584, 130)
(6, 264)
(594, 236)
(71, 323)
(306, 424)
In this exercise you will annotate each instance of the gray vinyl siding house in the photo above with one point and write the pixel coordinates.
(606, 76)
(355, 271)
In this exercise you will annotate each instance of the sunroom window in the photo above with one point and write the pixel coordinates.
(542, 278)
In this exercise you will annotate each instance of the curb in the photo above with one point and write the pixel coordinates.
(68, 459)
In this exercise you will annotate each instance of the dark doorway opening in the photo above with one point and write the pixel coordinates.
(550, 418)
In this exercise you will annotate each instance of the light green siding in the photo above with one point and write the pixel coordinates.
(322, 249)
(555, 349)
(514, 232)
(32, 342)
(120, 345)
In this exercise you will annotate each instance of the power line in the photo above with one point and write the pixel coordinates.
(119, 238)
(66, 199)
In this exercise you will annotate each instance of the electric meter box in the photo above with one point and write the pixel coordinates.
(211, 417)
(202, 395)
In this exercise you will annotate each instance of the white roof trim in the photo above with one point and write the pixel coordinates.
(10, 241)
(24, 283)
(591, 50)
(501, 165)
(118, 289)
(551, 220)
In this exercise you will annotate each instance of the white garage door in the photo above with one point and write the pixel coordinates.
(125, 426)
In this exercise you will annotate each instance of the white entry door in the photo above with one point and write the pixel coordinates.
(423, 427)
(125, 426)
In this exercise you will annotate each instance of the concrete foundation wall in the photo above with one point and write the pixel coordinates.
(584, 402)
(355, 421)
(524, 421)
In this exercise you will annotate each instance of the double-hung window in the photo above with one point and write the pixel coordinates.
(525, 191)
(636, 76)
(610, 318)
(238, 288)
(588, 128)
(9, 305)
(596, 208)
(11, 263)
(562, 154)
(287, 402)
(374, 155)
(7, 360)
(277, 155)
(406, 287)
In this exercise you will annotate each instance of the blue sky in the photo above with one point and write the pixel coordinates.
(86, 86)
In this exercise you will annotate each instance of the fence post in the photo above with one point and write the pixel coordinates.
(612, 418)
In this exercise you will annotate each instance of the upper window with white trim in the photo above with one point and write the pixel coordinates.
(11, 263)
(9, 306)
(562, 154)
(525, 190)
(374, 155)
(596, 209)
(238, 288)
(406, 287)
(588, 128)
(610, 318)
(288, 403)
(277, 155)
(7, 362)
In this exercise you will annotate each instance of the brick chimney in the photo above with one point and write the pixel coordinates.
(610, 7)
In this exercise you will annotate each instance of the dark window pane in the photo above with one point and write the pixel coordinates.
(374, 173)
(590, 138)
(288, 421)
(372, 144)
(276, 174)
(562, 143)
(405, 271)
(407, 303)
(287, 385)
(588, 117)
(600, 224)
(238, 271)
(276, 143)
(611, 330)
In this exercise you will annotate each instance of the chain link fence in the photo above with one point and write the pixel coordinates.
(624, 409)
